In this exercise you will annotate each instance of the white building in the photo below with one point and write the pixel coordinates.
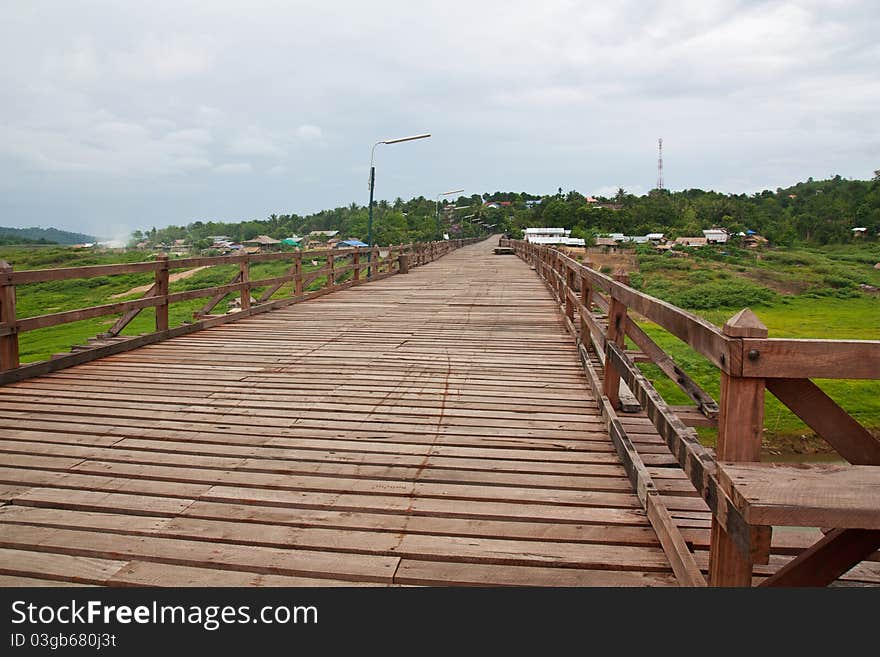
(716, 236)
(551, 236)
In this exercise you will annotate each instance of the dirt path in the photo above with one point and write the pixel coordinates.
(173, 277)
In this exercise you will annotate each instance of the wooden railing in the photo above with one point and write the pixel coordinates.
(341, 268)
(747, 498)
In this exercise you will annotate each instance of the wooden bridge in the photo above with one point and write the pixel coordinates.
(457, 418)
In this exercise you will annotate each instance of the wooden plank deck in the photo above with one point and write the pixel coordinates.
(431, 428)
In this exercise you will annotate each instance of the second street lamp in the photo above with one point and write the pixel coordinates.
(437, 209)
(372, 186)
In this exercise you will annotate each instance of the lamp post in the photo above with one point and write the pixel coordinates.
(372, 186)
(437, 209)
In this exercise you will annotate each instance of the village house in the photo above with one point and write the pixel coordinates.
(293, 240)
(350, 244)
(551, 236)
(716, 236)
(690, 241)
(261, 243)
(180, 247)
(318, 234)
(754, 240)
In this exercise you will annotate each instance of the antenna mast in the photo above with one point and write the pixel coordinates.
(660, 163)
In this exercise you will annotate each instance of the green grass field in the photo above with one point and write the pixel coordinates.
(797, 293)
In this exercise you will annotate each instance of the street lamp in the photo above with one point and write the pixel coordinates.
(373, 184)
(437, 208)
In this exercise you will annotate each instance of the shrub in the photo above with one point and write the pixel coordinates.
(735, 293)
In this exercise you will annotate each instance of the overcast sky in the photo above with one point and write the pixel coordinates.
(128, 114)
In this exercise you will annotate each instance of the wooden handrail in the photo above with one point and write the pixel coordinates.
(65, 273)
(749, 362)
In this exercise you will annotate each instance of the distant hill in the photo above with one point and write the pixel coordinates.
(42, 236)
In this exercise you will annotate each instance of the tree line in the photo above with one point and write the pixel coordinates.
(821, 212)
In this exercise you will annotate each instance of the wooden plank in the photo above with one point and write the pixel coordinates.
(57, 567)
(503, 551)
(822, 414)
(53, 319)
(812, 359)
(674, 545)
(98, 545)
(432, 573)
(66, 273)
(146, 573)
(815, 495)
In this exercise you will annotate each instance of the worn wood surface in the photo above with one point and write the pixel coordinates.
(433, 428)
(815, 495)
(812, 359)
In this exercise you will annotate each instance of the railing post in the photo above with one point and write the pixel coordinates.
(374, 261)
(355, 263)
(8, 343)
(587, 301)
(740, 428)
(245, 268)
(331, 275)
(587, 288)
(569, 287)
(298, 274)
(558, 279)
(162, 291)
(616, 333)
(403, 263)
(390, 265)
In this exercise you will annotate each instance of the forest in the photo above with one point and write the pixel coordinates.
(813, 212)
(41, 236)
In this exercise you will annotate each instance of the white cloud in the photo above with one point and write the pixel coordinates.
(234, 167)
(190, 136)
(164, 57)
(524, 96)
(308, 132)
(79, 63)
(255, 141)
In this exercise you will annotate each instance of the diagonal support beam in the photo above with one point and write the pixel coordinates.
(126, 318)
(822, 414)
(828, 559)
(217, 298)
